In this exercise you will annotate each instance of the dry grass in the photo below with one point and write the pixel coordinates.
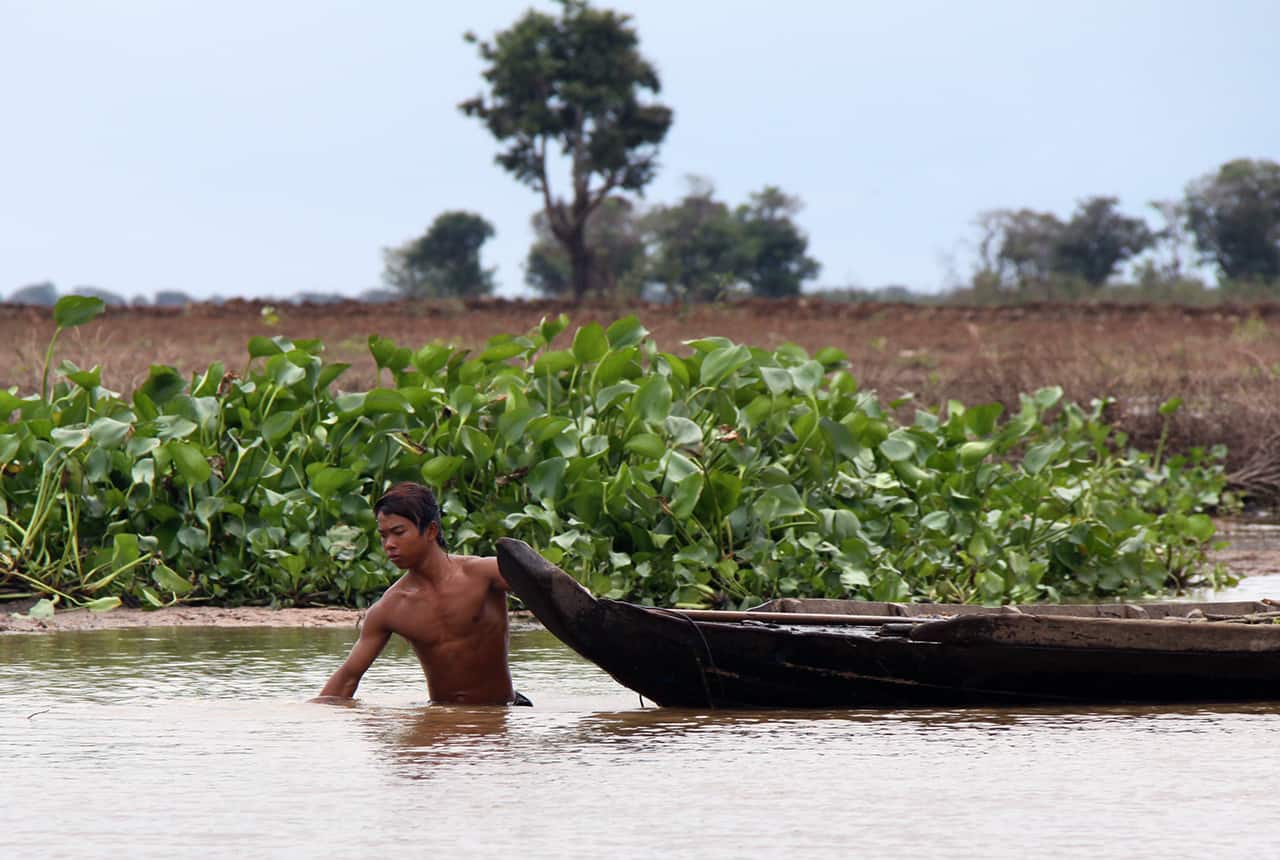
(1223, 361)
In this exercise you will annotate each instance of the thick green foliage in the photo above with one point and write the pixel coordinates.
(719, 477)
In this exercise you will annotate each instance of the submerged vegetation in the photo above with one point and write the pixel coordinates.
(719, 477)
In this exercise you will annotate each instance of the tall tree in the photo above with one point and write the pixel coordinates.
(774, 259)
(444, 261)
(1235, 217)
(614, 242)
(696, 251)
(1097, 239)
(574, 82)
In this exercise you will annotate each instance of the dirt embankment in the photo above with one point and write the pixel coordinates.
(12, 621)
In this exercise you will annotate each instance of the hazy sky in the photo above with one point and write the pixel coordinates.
(268, 148)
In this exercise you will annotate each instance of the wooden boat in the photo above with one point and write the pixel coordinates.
(835, 653)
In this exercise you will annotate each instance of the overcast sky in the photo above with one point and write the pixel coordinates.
(268, 148)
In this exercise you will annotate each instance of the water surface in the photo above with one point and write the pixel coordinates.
(198, 742)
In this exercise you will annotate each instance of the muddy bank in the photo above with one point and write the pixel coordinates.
(13, 621)
(177, 616)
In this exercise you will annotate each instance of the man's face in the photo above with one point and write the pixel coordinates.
(401, 540)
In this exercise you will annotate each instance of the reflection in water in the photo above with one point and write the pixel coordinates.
(106, 733)
(419, 738)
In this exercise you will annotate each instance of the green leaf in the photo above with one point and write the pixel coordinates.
(330, 481)
(778, 380)
(1038, 456)
(898, 447)
(69, 437)
(208, 507)
(174, 427)
(261, 347)
(937, 521)
(709, 344)
(167, 579)
(86, 379)
(807, 377)
(981, 420)
(545, 480)
(71, 311)
(972, 453)
(381, 401)
(431, 358)
(718, 365)
(590, 343)
(512, 423)
(478, 445)
(9, 446)
(1046, 397)
(439, 469)
(109, 433)
(646, 445)
(784, 499)
(625, 332)
(277, 426)
(329, 373)
(550, 329)
(143, 471)
(1199, 526)
(43, 609)
(102, 604)
(194, 539)
(163, 384)
(652, 402)
(685, 498)
(190, 460)
(350, 403)
(682, 431)
(618, 364)
(679, 369)
(840, 438)
(554, 362)
(1170, 406)
(502, 350)
(386, 354)
(124, 550)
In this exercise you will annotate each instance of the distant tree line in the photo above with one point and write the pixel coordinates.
(45, 293)
(1229, 219)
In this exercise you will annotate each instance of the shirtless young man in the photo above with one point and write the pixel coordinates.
(451, 608)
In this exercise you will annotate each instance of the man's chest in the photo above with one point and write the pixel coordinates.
(447, 615)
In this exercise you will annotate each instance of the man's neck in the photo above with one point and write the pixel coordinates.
(432, 568)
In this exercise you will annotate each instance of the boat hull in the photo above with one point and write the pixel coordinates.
(1009, 659)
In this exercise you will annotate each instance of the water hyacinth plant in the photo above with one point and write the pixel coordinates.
(718, 477)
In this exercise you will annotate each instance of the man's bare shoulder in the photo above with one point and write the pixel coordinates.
(481, 567)
(384, 608)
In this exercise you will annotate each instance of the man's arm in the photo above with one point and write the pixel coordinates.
(373, 638)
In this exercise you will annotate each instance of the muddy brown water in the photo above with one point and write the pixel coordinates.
(197, 742)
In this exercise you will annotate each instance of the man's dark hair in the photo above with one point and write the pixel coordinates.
(415, 503)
